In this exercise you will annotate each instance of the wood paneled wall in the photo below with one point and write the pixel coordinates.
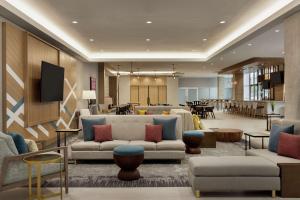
(35, 111)
(20, 47)
(113, 88)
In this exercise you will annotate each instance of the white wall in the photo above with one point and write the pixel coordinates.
(124, 89)
(84, 72)
(1, 114)
(106, 84)
(172, 91)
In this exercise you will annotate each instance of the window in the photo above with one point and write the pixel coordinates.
(251, 86)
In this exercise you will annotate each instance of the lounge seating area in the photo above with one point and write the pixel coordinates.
(149, 99)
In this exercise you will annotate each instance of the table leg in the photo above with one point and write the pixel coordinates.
(58, 140)
(61, 186)
(262, 142)
(29, 181)
(245, 142)
(267, 123)
(65, 138)
(249, 142)
(38, 177)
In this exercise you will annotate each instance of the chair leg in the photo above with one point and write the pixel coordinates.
(197, 194)
(273, 193)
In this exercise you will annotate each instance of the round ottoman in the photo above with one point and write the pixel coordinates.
(128, 158)
(192, 140)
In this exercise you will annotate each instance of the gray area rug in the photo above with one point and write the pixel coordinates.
(154, 174)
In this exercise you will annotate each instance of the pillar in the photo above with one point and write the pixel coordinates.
(292, 66)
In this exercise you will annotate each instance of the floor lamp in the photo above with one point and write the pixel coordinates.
(89, 95)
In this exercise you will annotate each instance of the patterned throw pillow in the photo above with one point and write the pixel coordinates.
(32, 146)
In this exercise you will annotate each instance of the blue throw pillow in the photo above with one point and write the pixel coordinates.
(87, 126)
(275, 133)
(19, 142)
(169, 127)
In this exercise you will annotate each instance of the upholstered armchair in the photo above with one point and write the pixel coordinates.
(14, 171)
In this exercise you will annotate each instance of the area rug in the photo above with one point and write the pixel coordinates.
(154, 174)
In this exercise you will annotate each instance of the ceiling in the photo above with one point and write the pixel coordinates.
(119, 29)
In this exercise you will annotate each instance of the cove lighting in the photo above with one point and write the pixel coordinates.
(37, 18)
(142, 72)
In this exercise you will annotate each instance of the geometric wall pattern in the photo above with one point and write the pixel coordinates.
(15, 94)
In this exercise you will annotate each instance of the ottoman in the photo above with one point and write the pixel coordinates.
(192, 140)
(128, 158)
(233, 173)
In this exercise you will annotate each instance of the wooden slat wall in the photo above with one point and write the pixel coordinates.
(15, 73)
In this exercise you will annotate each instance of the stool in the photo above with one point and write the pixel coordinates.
(128, 158)
(192, 140)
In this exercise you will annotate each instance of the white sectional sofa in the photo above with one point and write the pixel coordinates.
(130, 130)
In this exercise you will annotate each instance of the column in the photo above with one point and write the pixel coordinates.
(292, 66)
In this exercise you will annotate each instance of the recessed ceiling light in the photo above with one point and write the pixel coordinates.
(211, 64)
(149, 22)
(74, 22)
(250, 44)
(91, 40)
(204, 39)
(148, 39)
(233, 52)
(221, 58)
(277, 31)
(222, 22)
(283, 53)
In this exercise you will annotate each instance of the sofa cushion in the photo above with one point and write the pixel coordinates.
(232, 166)
(169, 127)
(289, 145)
(273, 157)
(275, 133)
(10, 142)
(87, 125)
(110, 145)
(19, 142)
(170, 145)
(85, 146)
(102, 133)
(148, 146)
(153, 133)
(128, 150)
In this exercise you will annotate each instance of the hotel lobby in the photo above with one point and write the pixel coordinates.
(137, 99)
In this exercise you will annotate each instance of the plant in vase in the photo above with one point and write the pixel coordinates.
(273, 106)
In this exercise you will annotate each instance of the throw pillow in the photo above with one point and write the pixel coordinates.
(19, 142)
(275, 133)
(10, 142)
(142, 112)
(153, 133)
(197, 123)
(102, 133)
(169, 127)
(32, 146)
(87, 127)
(289, 145)
(165, 112)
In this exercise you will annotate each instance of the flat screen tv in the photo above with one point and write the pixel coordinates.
(277, 78)
(52, 82)
(266, 84)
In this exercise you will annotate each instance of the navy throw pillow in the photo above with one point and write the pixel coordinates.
(275, 133)
(169, 127)
(87, 126)
(19, 142)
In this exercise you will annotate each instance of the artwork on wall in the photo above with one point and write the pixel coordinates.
(93, 85)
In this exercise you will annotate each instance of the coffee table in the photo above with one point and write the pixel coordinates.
(228, 134)
(255, 135)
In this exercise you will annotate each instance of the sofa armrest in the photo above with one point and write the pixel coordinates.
(20, 157)
(290, 179)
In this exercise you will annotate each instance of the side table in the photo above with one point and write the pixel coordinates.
(65, 131)
(255, 135)
(37, 161)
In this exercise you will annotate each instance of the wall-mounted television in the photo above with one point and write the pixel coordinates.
(52, 82)
(277, 78)
(266, 84)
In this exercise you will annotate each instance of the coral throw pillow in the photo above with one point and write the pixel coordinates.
(102, 133)
(289, 145)
(153, 133)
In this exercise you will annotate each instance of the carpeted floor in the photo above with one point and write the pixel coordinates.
(154, 174)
